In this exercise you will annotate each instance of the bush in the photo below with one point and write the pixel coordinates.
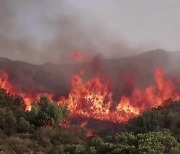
(24, 125)
(46, 113)
(157, 120)
(128, 143)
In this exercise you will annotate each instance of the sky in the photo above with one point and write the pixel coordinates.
(40, 31)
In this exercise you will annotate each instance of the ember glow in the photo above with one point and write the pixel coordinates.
(93, 99)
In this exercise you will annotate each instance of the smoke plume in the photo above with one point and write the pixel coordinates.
(39, 31)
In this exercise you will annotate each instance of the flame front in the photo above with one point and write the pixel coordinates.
(93, 99)
(29, 98)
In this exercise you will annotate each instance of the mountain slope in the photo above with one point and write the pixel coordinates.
(56, 77)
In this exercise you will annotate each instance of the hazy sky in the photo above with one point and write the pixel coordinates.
(141, 22)
(40, 31)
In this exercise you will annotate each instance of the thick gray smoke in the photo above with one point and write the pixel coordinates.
(60, 29)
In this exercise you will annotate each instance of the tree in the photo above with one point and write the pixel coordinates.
(24, 125)
(129, 143)
(157, 142)
(7, 121)
(46, 113)
(157, 120)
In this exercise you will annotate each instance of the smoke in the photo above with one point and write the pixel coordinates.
(39, 31)
(10, 45)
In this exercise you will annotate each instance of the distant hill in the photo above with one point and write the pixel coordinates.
(56, 77)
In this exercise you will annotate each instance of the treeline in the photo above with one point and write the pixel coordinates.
(39, 131)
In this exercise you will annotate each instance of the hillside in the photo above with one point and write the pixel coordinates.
(56, 77)
(41, 131)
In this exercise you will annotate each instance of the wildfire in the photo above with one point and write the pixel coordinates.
(5, 83)
(79, 56)
(93, 99)
(29, 98)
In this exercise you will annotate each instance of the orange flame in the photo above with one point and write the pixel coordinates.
(29, 99)
(92, 99)
(84, 124)
(79, 56)
(89, 133)
(5, 83)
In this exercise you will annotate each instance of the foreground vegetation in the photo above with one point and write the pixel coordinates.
(39, 131)
(157, 120)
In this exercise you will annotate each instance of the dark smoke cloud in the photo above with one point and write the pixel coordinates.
(71, 30)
